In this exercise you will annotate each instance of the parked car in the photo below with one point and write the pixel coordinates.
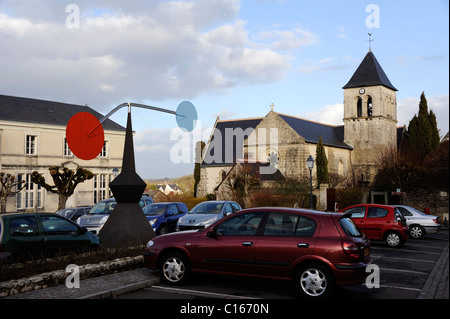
(74, 213)
(100, 212)
(206, 213)
(163, 217)
(380, 222)
(419, 223)
(315, 250)
(22, 233)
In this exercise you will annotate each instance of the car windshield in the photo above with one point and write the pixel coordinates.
(154, 209)
(65, 212)
(349, 227)
(103, 208)
(207, 208)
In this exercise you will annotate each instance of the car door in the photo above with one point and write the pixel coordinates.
(377, 218)
(230, 246)
(171, 216)
(59, 233)
(358, 215)
(284, 239)
(24, 235)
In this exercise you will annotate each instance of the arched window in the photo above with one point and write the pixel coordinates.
(369, 106)
(359, 107)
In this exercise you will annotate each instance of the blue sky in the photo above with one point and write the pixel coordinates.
(230, 58)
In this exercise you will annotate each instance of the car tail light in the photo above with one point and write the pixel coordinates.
(351, 249)
(436, 220)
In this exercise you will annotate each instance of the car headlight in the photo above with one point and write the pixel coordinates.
(150, 244)
(180, 220)
(152, 222)
(103, 220)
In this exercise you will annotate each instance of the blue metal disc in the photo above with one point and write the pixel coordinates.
(186, 116)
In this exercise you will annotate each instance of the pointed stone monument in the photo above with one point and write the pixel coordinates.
(127, 224)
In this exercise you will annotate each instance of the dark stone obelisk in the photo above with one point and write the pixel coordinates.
(127, 224)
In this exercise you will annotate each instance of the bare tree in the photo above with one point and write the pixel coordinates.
(7, 183)
(65, 179)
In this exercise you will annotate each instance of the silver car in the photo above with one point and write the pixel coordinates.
(419, 223)
(99, 214)
(206, 213)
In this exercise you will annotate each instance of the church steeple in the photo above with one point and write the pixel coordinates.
(369, 73)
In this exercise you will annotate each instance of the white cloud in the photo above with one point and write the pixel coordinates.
(331, 114)
(154, 50)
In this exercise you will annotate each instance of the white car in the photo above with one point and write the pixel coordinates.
(419, 223)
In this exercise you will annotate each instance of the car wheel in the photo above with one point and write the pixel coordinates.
(175, 268)
(393, 239)
(314, 281)
(416, 231)
(163, 230)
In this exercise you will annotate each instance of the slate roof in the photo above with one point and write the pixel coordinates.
(20, 109)
(221, 126)
(369, 73)
(310, 131)
(331, 136)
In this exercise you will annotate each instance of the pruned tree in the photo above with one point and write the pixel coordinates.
(7, 184)
(65, 180)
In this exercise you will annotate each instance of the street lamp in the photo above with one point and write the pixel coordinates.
(115, 172)
(310, 164)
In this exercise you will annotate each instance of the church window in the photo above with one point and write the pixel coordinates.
(359, 107)
(369, 106)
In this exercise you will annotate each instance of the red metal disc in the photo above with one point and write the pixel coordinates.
(85, 136)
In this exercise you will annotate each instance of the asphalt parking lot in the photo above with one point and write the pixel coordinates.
(404, 273)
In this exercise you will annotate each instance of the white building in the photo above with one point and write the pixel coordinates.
(32, 138)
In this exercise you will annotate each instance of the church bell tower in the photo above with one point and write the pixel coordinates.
(370, 117)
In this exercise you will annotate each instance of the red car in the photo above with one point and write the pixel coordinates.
(315, 250)
(380, 222)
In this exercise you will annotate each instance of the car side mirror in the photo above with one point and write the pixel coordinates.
(212, 233)
(169, 214)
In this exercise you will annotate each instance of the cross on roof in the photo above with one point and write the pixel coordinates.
(370, 41)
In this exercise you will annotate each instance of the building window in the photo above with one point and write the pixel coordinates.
(30, 147)
(369, 106)
(32, 196)
(67, 151)
(359, 107)
(104, 151)
(100, 187)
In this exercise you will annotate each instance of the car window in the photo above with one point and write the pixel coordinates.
(240, 225)
(207, 208)
(349, 227)
(235, 207)
(376, 212)
(172, 209)
(23, 226)
(306, 227)
(79, 212)
(404, 211)
(182, 208)
(279, 224)
(105, 207)
(54, 225)
(228, 209)
(357, 212)
(154, 209)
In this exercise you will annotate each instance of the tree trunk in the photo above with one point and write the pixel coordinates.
(62, 199)
(3, 205)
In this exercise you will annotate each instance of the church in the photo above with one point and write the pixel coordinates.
(285, 142)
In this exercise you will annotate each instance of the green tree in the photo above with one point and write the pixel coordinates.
(200, 145)
(321, 163)
(422, 135)
(65, 181)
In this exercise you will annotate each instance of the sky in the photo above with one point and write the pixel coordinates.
(230, 58)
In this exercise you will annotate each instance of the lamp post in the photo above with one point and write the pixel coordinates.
(115, 172)
(310, 164)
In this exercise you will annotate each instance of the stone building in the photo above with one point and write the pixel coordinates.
(352, 149)
(32, 138)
